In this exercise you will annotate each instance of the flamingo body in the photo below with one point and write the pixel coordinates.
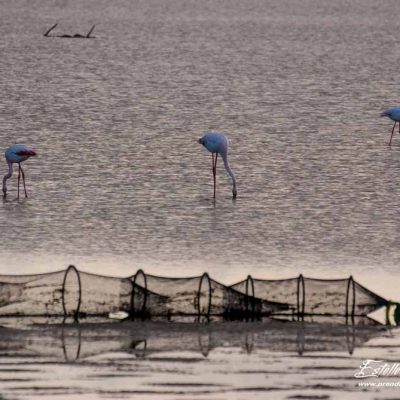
(394, 114)
(217, 144)
(16, 154)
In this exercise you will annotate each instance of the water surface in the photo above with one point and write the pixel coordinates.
(261, 360)
(120, 182)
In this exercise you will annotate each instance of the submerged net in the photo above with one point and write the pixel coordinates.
(74, 293)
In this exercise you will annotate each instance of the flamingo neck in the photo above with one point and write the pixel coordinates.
(230, 172)
(7, 176)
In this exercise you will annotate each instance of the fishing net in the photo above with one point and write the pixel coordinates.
(74, 293)
(199, 296)
(316, 296)
(279, 291)
(39, 294)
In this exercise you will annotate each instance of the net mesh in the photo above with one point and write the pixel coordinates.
(317, 296)
(277, 291)
(72, 292)
(103, 294)
(32, 294)
(179, 295)
(201, 295)
(324, 298)
(231, 302)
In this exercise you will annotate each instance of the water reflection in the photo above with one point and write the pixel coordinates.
(72, 342)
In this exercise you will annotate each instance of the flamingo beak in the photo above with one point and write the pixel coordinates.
(200, 141)
(384, 114)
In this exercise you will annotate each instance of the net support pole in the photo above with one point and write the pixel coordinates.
(396, 314)
(134, 286)
(250, 296)
(204, 277)
(301, 296)
(351, 291)
(72, 269)
(389, 313)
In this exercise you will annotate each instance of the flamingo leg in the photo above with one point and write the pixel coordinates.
(214, 168)
(19, 178)
(23, 180)
(394, 126)
(215, 174)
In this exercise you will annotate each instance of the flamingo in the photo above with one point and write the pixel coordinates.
(217, 143)
(16, 154)
(394, 114)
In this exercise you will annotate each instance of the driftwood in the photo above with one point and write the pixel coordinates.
(91, 30)
(76, 36)
(47, 33)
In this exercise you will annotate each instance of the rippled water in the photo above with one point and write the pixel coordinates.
(269, 360)
(120, 181)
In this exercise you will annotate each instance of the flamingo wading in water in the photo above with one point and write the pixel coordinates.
(16, 154)
(217, 143)
(394, 114)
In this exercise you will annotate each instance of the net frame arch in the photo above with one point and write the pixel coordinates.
(67, 272)
(301, 290)
(134, 285)
(351, 290)
(250, 298)
(204, 277)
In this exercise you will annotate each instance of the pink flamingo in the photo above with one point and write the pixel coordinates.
(16, 154)
(394, 114)
(217, 143)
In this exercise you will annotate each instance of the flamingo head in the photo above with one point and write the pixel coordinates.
(203, 142)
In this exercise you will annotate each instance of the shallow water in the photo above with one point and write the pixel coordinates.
(269, 359)
(120, 181)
